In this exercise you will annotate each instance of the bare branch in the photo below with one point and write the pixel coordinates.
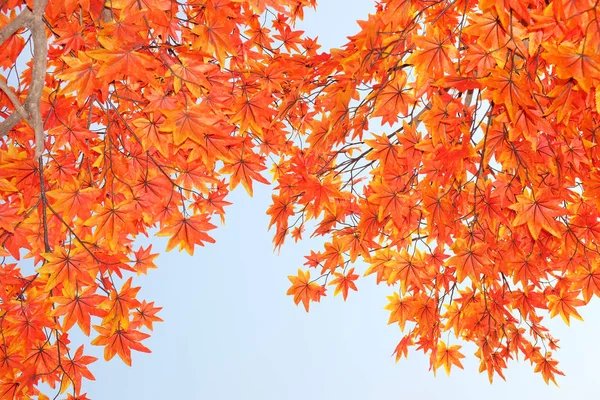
(9, 123)
(20, 21)
(14, 100)
(38, 74)
(13, 26)
(107, 15)
(30, 109)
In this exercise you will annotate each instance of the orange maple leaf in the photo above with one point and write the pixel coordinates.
(304, 290)
(111, 220)
(435, 54)
(401, 309)
(588, 280)
(145, 315)
(448, 356)
(75, 370)
(68, 266)
(189, 123)
(402, 347)
(547, 366)
(538, 210)
(78, 306)
(344, 282)
(119, 305)
(144, 260)
(244, 167)
(470, 260)
(571, 61)
(73, 199)
(81, 76)
(187, 232)
(117, 61)
(564, 304)
(120, 342)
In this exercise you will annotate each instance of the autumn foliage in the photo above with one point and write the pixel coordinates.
(449, 149)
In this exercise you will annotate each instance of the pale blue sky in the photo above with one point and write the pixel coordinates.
(230, 332)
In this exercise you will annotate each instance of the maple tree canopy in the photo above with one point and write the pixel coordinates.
(474, 195)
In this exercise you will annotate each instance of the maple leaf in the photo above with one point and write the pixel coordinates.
(564, 303)
(145, 315)
(380, 263)
(313, 260)
(281, 209)
(187, 232)
(78, 306)
(188, 123)
(401, 309)
(213, 203)
(470, 260)
(402, 347)
(110, 220)
(435, 55)
(214, 36)
(580, 62)
(67, 266)
(528, 300)
(244, 167)
(79, 397)
(253, 112)
(344, 282)
(448, 356)
(75, 369)
(192, 74)
(320, 192)
(290, 39)
(116, 61)
(333, 255)
(538, 211)
(393, 99)
(7, 187)
(384, 150)
(408, 269)
(119, 305)
(547, 366)
(304, 290)
(144, 260)
(148, 130)
(11, 46)
(73, 199)
(81, 76)
(588, 280)
(8, 217)
(120, 342)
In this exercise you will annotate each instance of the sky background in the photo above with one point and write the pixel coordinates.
(230, 331)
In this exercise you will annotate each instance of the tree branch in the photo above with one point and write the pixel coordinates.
(38, 74)
(20, 21)
(9, 123)
(14, 100)
(30, 110)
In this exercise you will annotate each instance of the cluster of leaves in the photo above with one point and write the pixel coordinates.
(480, 202)
(153, 112)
